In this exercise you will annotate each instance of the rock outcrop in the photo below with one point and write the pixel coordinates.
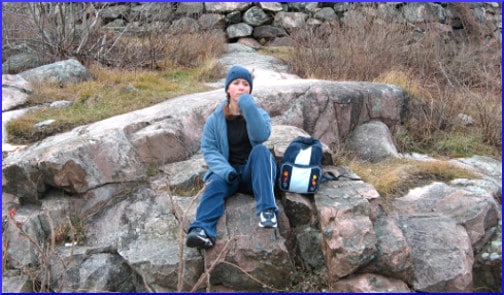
(104, 207)
(98, 220)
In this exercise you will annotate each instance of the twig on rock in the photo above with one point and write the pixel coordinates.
(206, 274)
(182, 220)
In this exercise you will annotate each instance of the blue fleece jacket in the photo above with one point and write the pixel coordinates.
(214, 142)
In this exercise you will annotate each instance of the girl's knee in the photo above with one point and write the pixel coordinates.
(260, 149)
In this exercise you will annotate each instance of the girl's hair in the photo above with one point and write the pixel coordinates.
(227, 112)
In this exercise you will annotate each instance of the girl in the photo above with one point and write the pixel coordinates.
(236, 158)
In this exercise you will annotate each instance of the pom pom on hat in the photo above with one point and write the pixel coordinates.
(238, 72)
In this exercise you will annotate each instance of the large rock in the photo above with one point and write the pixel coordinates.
(255, 252)
(15, 91)
(219, 7)
(487, 269)
(255, 16)
(22, 235)
(441, 253)
(239, 30)
(392, 251)
(372, 142)
(145, 233)
(184, 175)
(73, 164)
(490, 170)
(15, 282)
(344, 102)
(476, 212)
(120, 148)
(424, 12)
(370, 283)
(20, 62)
(93, 273)
(290, 20)
(62, 72)
(348, 236)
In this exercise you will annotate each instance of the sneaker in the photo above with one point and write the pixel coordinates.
(197, 238)
(268, 218)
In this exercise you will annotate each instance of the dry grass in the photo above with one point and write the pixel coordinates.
(280, 52)
(192, 50)
(403, 78)
(132, 70)
(392, 178)
(112, 92)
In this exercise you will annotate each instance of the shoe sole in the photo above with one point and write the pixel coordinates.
(196, 242)
(268, 225)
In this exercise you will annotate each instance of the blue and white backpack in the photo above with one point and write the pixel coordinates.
(300, 169)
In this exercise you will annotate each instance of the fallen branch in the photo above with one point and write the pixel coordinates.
(207, 272)
(182, 220)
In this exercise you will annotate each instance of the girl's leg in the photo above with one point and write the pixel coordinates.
(258, 177)
(211, 206)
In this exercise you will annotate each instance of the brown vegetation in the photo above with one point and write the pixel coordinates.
(448, 73)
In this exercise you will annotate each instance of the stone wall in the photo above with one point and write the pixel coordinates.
(270, 23)
(258, 23)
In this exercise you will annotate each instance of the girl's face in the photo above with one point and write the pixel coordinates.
(238, 87)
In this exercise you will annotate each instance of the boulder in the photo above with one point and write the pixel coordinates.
(119, 149)
(372, 142)
(393, 258)
(225, 7)
(62, 72)
(15, 91)
(290, 20)
(476, 212)
(255, 16)
(239, 30)
(366, 283)
(21, 61)
(15, 282)
(255, 252)
(441, 253)
(348, 237)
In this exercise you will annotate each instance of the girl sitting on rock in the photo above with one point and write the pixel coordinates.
(236, 158)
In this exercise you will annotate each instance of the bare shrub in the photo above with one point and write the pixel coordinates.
(134, 52)
(45, 247)
(487, 109)
(448, 75)
(193, 49)
(339, 52)
(161, 49)
(52, 30)
(62, 30)
(459, 77)
(471, 27)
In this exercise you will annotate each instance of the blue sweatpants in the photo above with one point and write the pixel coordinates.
(256, 177)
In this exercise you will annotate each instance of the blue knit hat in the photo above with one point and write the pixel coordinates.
(237, 72)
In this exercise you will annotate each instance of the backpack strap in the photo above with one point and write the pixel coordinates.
(329, 176)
